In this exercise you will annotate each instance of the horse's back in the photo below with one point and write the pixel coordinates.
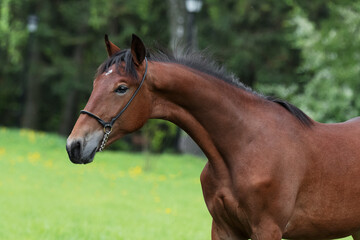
(328, 199)
(354, 120)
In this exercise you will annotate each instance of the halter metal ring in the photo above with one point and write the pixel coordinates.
(107, 129)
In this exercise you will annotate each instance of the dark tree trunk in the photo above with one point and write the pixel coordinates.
(177, 17)
(30, 115)
(70, 109)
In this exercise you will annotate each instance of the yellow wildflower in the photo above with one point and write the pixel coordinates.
(135, 171)
(34, 157)
(2, 151)
(162, 178)
(168, 210)
(32, 136)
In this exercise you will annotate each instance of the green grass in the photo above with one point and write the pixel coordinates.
(44, 196)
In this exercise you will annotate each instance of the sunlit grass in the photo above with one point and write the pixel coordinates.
(44, 196)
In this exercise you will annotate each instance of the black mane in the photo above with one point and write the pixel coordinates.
(199, 61)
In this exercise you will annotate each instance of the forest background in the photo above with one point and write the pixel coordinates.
(306, 52)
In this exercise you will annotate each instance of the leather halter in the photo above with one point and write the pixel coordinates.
(108, 125)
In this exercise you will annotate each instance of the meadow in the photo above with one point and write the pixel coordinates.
(118, 196)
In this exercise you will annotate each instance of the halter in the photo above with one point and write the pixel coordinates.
(108, 125)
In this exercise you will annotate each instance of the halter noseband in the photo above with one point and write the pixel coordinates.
(108, 125)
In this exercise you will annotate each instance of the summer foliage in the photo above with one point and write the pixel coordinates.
(44, 196)
(304, 51)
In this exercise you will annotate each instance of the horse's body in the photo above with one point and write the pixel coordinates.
(272, 172)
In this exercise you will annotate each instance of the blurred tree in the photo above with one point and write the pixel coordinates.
(176, 15)
(254, 35)
(330, 52)
(70, 47)
(306, 52)
(13, 39)
(31, 92)
(70, 38)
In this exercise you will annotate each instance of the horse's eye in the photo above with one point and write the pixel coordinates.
(122, 89)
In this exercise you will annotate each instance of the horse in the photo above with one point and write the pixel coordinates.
(272, 171)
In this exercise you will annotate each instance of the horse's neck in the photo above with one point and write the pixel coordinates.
(211, 111)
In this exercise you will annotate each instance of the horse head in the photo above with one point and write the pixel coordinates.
(118, 103)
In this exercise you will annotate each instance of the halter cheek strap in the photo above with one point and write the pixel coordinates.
(108, 125)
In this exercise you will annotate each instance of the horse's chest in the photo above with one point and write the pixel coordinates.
(223, 206)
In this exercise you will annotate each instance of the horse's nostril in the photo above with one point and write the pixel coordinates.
(81, 150)
(74, 151)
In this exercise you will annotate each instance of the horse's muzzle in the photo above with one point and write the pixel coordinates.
(82, 148)
(75, 150)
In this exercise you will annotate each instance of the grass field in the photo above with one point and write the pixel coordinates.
(44, 196)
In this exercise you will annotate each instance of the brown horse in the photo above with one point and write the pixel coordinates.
(272, 172)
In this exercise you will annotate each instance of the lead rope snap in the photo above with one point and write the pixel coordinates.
(107, 131)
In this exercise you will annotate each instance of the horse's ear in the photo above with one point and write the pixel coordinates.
(138, 50)
(110, 47)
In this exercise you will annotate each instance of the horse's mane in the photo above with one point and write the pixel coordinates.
(200, 61)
